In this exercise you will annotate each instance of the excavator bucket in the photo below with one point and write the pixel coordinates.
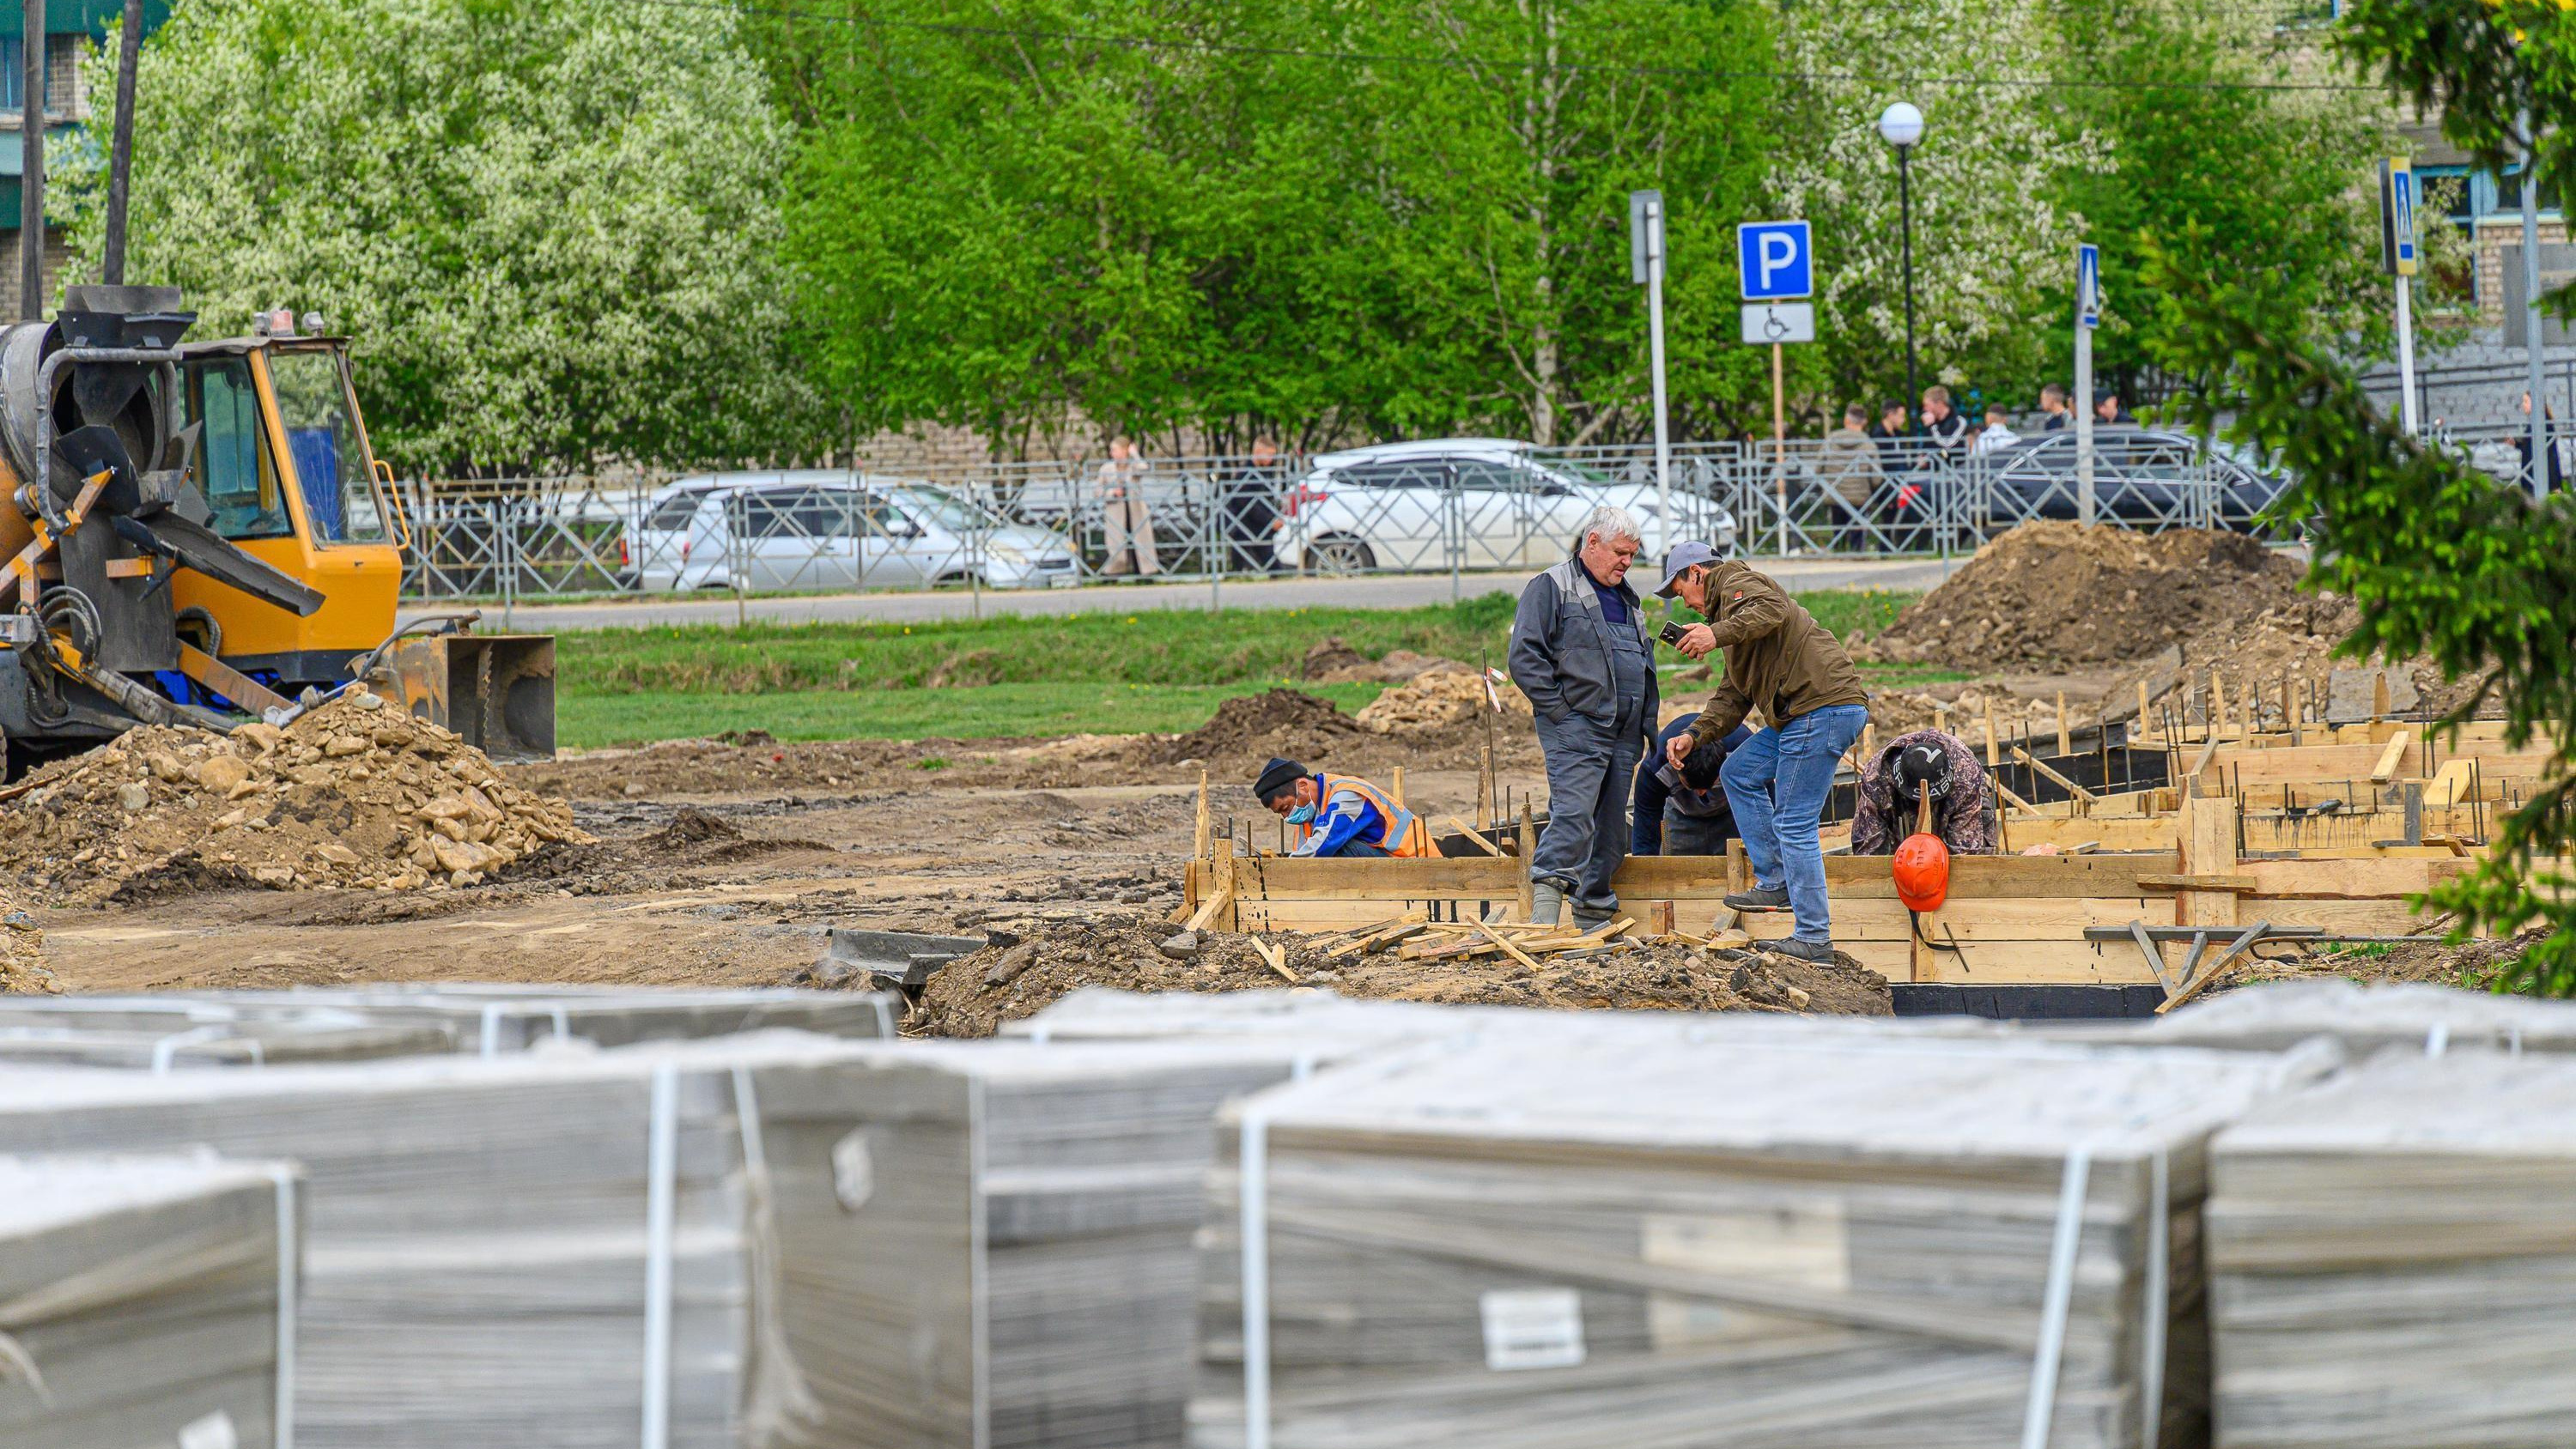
(495, 690)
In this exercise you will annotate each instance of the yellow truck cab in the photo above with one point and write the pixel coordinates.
(287, 474)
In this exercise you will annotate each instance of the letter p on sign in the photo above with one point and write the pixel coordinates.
(1776, 260)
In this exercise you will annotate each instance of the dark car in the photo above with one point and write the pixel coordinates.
(2148, 476)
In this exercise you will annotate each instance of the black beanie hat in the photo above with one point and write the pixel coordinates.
(1276, 776)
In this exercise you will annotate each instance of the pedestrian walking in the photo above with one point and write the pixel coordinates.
(1941, 422)
(2522, 445)
(1780, 661)
(1849, 467)
(1248, 506)
(1582, 651)
(1997, 433)
(1127, 529)
(2056, 414)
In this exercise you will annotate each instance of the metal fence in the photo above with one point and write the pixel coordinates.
(1425, 509)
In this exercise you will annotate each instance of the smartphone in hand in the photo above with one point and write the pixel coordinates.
(1673, 632)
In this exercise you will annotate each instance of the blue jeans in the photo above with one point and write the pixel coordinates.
(1355, 849)
(1777, 783)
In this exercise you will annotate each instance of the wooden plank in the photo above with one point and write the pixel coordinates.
(1202, 837)
(1515, 952)
(1205, 915)
(2209, 849)
(2040, 963)
(2063, 783)
(2241, 884)
(1474, 836)
(2377, 878)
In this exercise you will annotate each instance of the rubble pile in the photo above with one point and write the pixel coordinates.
(1031, 962)
(1333, 661)
(353, 794)
(22, 953)
(1440, 699)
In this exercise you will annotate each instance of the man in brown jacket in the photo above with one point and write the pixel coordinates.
(1781, 661)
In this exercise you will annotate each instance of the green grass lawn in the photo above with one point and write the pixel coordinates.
(969, 679)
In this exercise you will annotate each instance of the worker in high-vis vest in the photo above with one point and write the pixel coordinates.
(1339, 815)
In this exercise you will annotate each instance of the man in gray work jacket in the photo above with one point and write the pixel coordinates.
(1583, 651)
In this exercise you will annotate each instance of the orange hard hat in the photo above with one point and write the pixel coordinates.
(1922, 872)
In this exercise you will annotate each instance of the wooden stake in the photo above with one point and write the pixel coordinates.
(1202, 843)
(1994, 757)
(1940, 716)
(2065, 747)
(1485, 788)
(1395, 790)
(1529, 853)
(2217, 704)
(2142, 709)
(2379, 696)
(2294, 707)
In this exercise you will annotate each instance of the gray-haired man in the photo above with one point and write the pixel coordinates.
(1583, 651)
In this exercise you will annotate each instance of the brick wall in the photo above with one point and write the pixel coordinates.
(2494, 235)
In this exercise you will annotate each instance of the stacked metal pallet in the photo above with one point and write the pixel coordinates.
(1029, 1275)
(2392, 1260)
(1558, 1242)
(140, 1301)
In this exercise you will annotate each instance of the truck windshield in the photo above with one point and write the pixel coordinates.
(322, 437)
(234, 470)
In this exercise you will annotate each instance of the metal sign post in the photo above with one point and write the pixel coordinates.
(2531, 303)
(1777, 261)
(2088, 315)
(2399, 255)
(1646, 265)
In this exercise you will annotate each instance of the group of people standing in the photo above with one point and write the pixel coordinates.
(1582, 651)
(1250, 511)
(1860, 460)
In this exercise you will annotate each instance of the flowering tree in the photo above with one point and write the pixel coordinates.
(548, 226)
(1990, 234)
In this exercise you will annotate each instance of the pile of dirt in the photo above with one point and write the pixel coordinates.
(22, 954)
(2294, 638)
(352, 794)
(1254, 727)
(1441, 699)
(2474, 965)
(2051, 595)
(1031, 964)
(1334, 661)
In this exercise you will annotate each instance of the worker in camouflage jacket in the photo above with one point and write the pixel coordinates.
(1892, 785)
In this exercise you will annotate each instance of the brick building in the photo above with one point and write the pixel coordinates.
(71, 26)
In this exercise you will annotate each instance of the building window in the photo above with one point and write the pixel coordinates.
(2508, 193)
(13, 75)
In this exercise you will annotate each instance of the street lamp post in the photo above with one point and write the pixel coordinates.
(1902, 125)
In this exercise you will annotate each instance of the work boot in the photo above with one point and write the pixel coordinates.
(1547, 902)
(1593, 918)
(1761, 898)
(1803, 950)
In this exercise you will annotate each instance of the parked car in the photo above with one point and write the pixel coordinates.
(2140, 475)
(1398, 505)
(820, 529)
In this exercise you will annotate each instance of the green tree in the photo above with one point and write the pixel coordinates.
(2440, 558)
(1321, 217)
(549, 227)
(2275, 181)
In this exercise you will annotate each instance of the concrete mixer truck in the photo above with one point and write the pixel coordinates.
(197, 533)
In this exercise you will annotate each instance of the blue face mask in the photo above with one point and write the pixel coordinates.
(1301, 814)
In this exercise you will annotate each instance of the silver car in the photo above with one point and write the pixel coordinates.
(818, 530)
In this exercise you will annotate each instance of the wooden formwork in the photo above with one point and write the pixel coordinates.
(2009, 919)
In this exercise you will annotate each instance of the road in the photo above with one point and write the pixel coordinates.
(1388, 592)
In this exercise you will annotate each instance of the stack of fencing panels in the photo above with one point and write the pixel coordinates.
(2364, 1018)
(543, 1251)
(237, 1044)
(2393, 1259)
(1028, 1214)
(1606, 1240)
(494, 1017)
(139, 1301)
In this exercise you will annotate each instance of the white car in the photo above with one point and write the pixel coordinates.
(1399, 505)
(820, 529)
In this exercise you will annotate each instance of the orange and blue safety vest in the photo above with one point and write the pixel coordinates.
(1348, 808)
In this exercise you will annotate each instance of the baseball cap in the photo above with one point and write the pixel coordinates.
(1689, 554)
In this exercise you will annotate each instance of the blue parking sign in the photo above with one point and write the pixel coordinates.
(1777, 262)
